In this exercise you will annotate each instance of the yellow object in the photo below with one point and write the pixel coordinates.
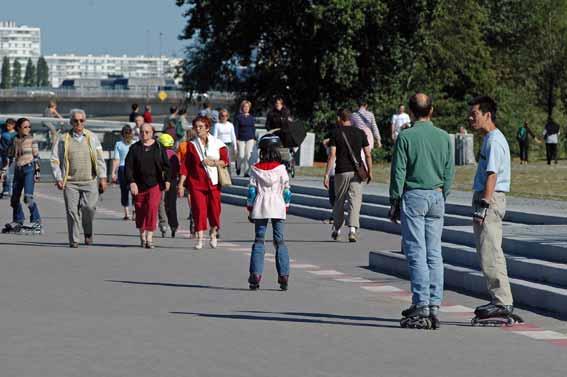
(162, 96)
(166, 140)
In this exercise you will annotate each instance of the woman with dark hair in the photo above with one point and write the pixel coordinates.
(25, 155)
(269, 196)
(205, 154)
(279, 117)
(148, 174)
(551, 135)
(119, 166)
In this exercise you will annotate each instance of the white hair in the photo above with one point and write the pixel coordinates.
(77, 111)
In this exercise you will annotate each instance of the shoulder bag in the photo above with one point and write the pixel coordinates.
(223, 174)
(359, 168)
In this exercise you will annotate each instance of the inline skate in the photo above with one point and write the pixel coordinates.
(416, 317)
(254, 282)
(495, 315)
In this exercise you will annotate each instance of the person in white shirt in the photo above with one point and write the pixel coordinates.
(224, 130)
(400, 121)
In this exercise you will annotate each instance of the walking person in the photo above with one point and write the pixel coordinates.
(268, 199)
(224, 131)
(135, 112)
(491, 183)
(6, 146)
(25, 154)
(147, 173)
(148, 117)
(119, 167)
(204, 156)
(210, 113)
(168, 203)
(279, 118)
(400, 121)
(523, 137)
(421, 178)
(78, 163)
(551, 135)
(365, 120)
(138, 122)
(245, 129)
(51, 112)
(346, 146)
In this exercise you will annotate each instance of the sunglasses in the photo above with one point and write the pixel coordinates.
(77, 121)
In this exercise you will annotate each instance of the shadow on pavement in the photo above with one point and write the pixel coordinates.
(325, 315)
(290, 320)
(199, 286)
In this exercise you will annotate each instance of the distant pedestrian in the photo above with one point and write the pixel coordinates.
(147, 173)
(491, 183)
(119, 167)
(204, 156)
(346, 147)
(551, 135)
(173, 115)
(168, 205)
(51, 112)
(400, 121)
(171, 129)
(210, 113)
(224, 131)
(6, 146)
(245, 129)
(421, 178)
(365, 120)
(268, 199)
(148, 117)
(138, 122)
(523, 137)
(77, 162)
(134, 113)
(279, 118)
(25, 154)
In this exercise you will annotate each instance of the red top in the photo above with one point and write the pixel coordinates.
(148, 118)
(192, 168)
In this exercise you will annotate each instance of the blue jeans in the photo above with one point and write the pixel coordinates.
(422, 225)
(124, 187)
(24, 180)
(282, 256)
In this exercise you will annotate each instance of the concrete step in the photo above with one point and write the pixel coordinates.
(527, 294)
(375, 217)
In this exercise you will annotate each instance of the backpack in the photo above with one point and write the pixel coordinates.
(522, 134)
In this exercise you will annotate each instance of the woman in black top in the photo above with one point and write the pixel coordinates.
(280, 118)
(147, 172)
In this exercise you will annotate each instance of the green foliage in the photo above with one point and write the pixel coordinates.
(42, 72)
(16, 74)
(322, 55)
(30, 75)
(6, 79)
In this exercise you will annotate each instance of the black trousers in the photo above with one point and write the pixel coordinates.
(524, 146)
(170, 199)
(551, 152)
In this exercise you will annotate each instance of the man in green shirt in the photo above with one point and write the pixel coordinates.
(421, 177)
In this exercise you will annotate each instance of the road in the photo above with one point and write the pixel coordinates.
(114, 309)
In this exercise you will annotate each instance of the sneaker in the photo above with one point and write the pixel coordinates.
(213, 242)
(88, 240)
(199, 245)
(335, 234)
(74, 245)
(351, 236)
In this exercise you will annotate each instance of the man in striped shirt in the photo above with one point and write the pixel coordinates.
(365, 120)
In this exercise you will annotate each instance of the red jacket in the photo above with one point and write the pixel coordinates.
(192, 168)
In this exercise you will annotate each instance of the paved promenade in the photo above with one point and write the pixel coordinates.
(114, 309)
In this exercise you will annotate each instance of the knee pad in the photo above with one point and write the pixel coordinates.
(28, 199)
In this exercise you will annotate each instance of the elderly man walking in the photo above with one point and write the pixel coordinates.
(77, 162)
(421, 177)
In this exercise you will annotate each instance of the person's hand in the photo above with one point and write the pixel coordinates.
(167, 186)
(102, 185)
(60, 185)
(378, 143)
(180, 191)
(369, 177)
(36, 177)
(134, 188)
(210, 162)
(326, 181)
(479, 215)
(394, 212)
(114, 178)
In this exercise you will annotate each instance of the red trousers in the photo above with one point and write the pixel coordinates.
(205, 205)
(146, 204)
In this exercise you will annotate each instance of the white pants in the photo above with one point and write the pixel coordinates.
(245, 149)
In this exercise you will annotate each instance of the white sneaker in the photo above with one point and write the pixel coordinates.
(213, 243)
(199, 245)
(335, 234)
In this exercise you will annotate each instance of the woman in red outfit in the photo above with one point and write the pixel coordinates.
(205, 154)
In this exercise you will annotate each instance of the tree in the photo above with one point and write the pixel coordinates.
(42, 72)
(17, 74)
(6, 81)
(30, 75)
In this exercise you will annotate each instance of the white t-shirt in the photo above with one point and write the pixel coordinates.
(551, 139)
(225, 133)
(398, 120)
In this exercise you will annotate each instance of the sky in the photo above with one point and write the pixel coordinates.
(114, 27)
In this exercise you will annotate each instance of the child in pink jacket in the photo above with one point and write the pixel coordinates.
(269, 196)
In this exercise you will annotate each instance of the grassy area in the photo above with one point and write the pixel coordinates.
(536, 180)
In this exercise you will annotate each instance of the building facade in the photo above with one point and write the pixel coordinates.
(19, 42)
(71, 66)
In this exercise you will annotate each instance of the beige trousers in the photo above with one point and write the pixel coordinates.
(488, 240)
(245, 149)
(347, 187)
